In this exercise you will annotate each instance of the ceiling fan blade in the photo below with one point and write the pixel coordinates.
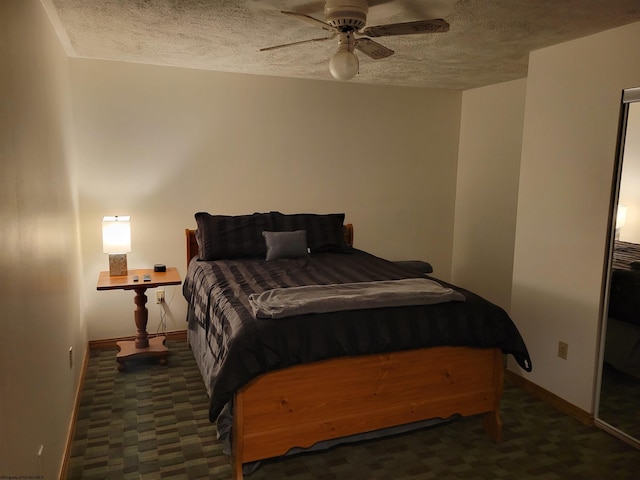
(435, 25)
(311, 20)
(298, 43)
(373, 49)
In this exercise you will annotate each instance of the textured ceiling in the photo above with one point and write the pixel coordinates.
(488, 42)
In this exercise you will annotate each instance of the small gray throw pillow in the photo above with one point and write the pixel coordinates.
(286, 244)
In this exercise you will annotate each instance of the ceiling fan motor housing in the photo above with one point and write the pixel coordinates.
(351, 14)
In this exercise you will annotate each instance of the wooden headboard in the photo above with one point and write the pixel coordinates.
(192, 244)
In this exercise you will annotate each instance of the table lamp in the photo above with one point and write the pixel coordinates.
(116, 241)
(621, 219)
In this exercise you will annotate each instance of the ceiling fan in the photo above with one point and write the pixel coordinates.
(346, 19)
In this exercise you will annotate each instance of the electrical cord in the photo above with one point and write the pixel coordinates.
(162, 325)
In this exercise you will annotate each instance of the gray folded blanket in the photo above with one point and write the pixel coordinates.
(286, 302)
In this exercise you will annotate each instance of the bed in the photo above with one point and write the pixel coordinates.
(622, 347)
(295, 381)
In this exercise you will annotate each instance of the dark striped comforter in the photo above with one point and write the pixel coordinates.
(241, 347)
(624, 254)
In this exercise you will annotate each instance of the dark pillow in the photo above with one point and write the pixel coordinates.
(225, 236)
(285, 244)
(416, 265)
(324, 232)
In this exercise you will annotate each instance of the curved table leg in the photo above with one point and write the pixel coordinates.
(142, 345)
(141, 316)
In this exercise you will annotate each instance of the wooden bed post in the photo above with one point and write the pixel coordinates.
(237, 442)
(492, 423)
(192, 244)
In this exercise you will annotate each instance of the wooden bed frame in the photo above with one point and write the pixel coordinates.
(301, 405)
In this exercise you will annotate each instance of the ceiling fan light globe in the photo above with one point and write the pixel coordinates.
(344, 65)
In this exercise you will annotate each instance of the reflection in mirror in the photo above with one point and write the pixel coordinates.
(619, 401)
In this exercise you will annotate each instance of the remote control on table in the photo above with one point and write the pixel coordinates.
(147, 277)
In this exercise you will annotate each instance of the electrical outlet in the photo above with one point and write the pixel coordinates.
(159, 296)
(563, 349)
(70, 357)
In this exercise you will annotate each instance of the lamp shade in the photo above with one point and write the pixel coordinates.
(621, 216)
(116, 234)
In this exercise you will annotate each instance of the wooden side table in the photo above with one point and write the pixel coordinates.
(142, 345)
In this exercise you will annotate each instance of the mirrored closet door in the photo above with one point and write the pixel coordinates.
(618, 406)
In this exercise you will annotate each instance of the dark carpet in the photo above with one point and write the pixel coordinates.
(151, 422)
(620, 400)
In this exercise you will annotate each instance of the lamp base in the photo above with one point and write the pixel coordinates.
(117, 264)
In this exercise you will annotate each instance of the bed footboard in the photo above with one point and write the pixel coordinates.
(304, 404)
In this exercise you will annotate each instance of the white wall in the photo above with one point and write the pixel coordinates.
(163, 143)
(39, 259)
(568, 152)
(487, 189)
